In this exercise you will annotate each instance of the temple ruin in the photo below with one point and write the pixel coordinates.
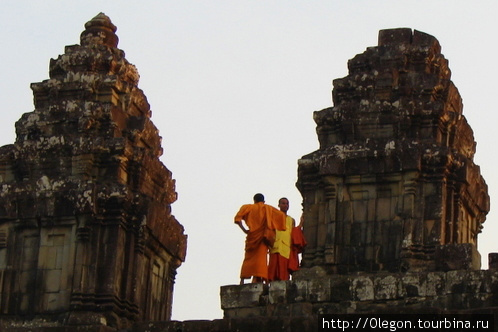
(86, 232)
(393, 202)
(393, 186)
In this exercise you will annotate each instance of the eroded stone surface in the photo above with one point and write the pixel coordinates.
(393, 181)
(412, 292)
(86, 230)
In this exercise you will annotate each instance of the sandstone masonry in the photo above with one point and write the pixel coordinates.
(393, 202)
(393, 186)
(86, 232)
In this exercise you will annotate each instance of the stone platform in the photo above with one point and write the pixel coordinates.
(295, 305)
(412, 292)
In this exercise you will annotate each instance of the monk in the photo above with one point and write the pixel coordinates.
(258, 217)
(284, 255)
(278, 268)
(298, 242)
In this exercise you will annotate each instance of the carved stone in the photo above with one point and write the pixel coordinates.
(394, 177)
(86, 231)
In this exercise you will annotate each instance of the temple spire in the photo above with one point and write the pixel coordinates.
(99, 30)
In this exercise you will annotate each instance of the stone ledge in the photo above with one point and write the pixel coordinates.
(260, 324)
(452, 290)
(242, 295)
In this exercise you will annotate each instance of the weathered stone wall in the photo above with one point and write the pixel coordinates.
(394, 177)
(86, 231)
(296, 305)
(383, 292)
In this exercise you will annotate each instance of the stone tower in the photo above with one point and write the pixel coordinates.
(86, 231)
(393, 186)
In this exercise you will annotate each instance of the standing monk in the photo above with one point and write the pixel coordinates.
(298, 242)
(278, 269)
(258, 217)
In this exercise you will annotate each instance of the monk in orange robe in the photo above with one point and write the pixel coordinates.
(284, 255)
(298, 242)
(258, 217)
(281, 250)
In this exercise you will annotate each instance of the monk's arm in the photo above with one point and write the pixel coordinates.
(242, 226)
(301, 222)
(241, 215)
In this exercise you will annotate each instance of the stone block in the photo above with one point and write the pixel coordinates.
(203, 325)
(304, 309)
(26, 280)
(456, 282)
(186, 326)
(411, 285)
(51, 302)
(324, 308)
(456, 301)
(425, 40)
(462, 256)
(303, 325)
(434, 283)
(247, 312)
(387, 287)
(438, 302)
(379, 307)
(340, 289)
(261, 324)
(237, 296)
(478, 282)
(493, 260)
(493, 284)
(319, 290)
(277, 292)
(297, 291)
(52, 280)
(48, 257)
(278, 310)
(400, 36)
(310, 273)
(362, 288)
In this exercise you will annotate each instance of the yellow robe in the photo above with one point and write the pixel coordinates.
(282, 244)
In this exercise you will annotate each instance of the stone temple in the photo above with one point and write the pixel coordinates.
(393, 202)
(393, 186)
(86, 231)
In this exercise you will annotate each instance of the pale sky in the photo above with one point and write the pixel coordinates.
(232, 87)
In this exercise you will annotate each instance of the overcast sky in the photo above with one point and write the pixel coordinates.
(233, 86)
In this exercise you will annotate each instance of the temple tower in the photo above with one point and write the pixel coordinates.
(393, 186)
(86, 231)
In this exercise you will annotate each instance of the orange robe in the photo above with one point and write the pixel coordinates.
(297, 247)
(258, 217)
